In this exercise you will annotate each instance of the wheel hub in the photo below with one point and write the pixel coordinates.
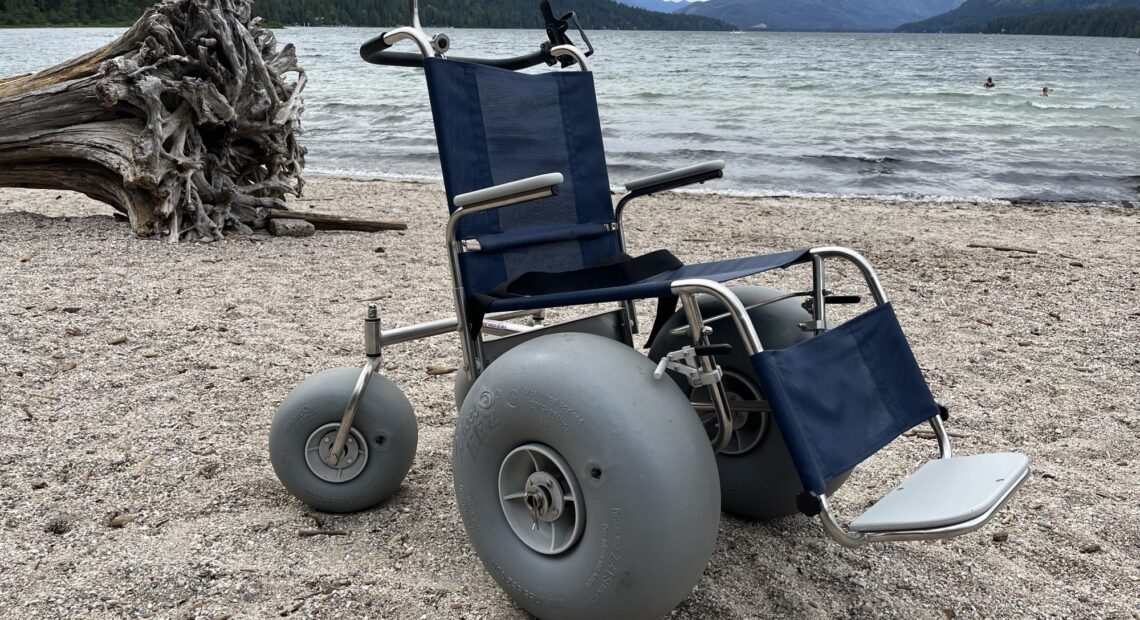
(351, 461)
(541, 499)
(544, 497)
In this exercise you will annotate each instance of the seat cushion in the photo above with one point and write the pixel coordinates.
(946, 492)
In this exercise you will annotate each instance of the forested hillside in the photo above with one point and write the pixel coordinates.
(1110, 22)
(975, 15)
(594, 14)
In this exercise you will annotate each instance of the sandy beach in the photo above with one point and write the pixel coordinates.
(138, 380)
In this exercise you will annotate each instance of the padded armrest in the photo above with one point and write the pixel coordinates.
(514, 192)
(679, 177)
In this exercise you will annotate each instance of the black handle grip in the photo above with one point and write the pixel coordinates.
(712, 349)
(377, 56)
(374, 46)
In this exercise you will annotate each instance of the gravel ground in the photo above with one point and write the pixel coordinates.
(138, 378)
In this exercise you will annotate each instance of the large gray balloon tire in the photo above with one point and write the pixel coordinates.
(760, 483)
(384, 422)
(635, 455)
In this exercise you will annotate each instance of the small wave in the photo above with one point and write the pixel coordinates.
(1052, 106)
(792, 193)
(686, 135)
(859, 159)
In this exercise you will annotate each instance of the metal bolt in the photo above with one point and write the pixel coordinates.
(348, 462)
(326, 439)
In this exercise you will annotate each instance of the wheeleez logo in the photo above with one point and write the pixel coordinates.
(471, 434)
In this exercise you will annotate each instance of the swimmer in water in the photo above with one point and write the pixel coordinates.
(989, 83)
(1044, 91)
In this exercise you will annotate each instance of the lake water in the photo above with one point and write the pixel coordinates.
(849, 114)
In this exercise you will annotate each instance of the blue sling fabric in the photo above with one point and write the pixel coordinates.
(660, 284)
(840, 397)
(494, 126)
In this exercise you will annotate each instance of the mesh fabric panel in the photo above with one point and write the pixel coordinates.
(495, 126)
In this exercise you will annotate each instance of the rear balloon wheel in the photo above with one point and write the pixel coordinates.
(587, 487)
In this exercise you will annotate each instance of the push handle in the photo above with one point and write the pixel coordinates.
(559, 49)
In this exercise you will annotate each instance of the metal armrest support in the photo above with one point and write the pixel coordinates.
(665, 181)
(511, 193)
(471, 203)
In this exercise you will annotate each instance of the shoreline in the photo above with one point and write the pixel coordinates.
(731, 193)
(138, 378)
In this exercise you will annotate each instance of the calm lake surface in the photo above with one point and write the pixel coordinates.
(849, 114)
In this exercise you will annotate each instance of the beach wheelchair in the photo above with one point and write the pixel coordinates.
(590, 478)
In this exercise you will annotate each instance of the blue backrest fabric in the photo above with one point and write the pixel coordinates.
(494, 126)
(840, 397)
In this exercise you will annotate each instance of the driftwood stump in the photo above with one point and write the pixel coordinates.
(187, 123)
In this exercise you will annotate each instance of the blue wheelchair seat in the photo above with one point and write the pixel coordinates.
(495, 126)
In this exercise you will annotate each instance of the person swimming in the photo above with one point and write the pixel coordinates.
(989, 83)
(1044, 91)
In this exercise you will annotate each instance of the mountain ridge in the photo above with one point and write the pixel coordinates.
(820, 15)
(594, 14)
(974, 15)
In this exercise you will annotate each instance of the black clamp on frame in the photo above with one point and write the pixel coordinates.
(556, 28)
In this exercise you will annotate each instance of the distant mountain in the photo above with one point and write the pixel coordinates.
(973, 15)
(815, 15)
(661, 6)
(594, 14)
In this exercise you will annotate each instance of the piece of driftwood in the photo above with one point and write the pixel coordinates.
(187, 123)
(1001, 248)
(326, 221)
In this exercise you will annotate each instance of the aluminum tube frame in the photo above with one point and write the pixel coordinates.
(717, 394)
(861, 263)
(697, 286)
(410, 33)
(573, 52)
(371, 367)
(420, 331)
(687, 290)
(471, 344)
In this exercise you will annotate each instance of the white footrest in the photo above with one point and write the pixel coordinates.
(946, 492)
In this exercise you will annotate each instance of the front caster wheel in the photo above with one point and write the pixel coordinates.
(377, 454)
(587, 488)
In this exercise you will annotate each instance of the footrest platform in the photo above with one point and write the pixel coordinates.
(946, 492)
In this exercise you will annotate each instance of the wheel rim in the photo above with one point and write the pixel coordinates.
(748, 427)
(352, 459)
(541, 499)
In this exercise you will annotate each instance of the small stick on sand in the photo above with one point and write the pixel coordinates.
(1002, 248)
(309, 533)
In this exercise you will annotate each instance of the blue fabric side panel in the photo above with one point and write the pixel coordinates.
(659, 285)
(840, 397)
(545, 234)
